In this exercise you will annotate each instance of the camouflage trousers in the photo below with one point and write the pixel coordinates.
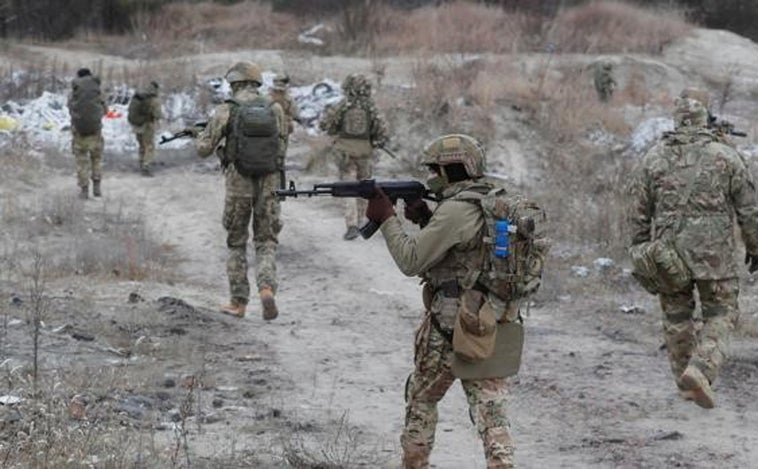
(88, 152)
(263, 208)
(431, 379)
(146, 140)
(702, 344)
(354, 168)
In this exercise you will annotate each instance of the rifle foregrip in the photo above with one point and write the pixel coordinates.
(368, 229)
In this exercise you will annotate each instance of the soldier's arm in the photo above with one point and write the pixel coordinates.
(156, 110)
(330, 120)
(209, 138)
(745, 202)
(379, 133)
(281, 122)
(452, 223)
(640, 211)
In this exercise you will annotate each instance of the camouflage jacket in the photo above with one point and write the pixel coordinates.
(332, 121)
(688, 190)
(288, 106)
(213, 136)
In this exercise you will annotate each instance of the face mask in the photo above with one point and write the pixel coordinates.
(437, 183)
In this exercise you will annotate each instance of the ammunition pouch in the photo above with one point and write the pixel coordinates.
(475, 327)
(659, 268)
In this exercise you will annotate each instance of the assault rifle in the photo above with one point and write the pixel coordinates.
(406, 190)
(723, 127)
(188, 132)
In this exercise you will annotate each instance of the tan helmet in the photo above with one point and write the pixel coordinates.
(690, 113)
(244, 71)
(698, 94)
(456, 148)
(361, 85)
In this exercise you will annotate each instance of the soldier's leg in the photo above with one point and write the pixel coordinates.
(96, 145)
(427, 385)
(349, 172)
(363, 170)
(82, 164)
(487, 401)
(236, 221)
(719, 302)
(679, 330)
(266, 227)
(139, 135)
(148, 145)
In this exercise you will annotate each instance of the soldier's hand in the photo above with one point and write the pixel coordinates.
(751, 262)
(379, 207)
(417, 212)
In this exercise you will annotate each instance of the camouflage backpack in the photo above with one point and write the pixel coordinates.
(139, 110)
(512, 225)
(252, 137)
(86, 105)
(356, 122)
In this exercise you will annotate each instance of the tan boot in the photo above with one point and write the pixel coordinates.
(235, 308)
(269, 305)
(84, 192)
(695, 386)
(96, 188)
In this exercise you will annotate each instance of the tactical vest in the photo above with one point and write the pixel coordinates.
(86, 106)
(356, 122)
(252, 137)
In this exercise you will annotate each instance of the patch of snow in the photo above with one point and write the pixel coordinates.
(648, 132)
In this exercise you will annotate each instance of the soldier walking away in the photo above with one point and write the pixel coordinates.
(358, 129)
(247, 133)
(144, 114)
(450, 253)
(87, 108)
(605, 84)
(280, 95)
(685, 195)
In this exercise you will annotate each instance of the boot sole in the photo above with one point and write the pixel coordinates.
(269, 309)
(232, 314)
(698, 394)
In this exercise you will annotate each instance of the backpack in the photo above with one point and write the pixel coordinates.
(356, 122)
(86, 106)
(139, 112)
(517, 274)
(252, 137)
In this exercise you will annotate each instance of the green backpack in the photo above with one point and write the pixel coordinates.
(356, 122)
(86, 105)
(252, 137)
(139, 112)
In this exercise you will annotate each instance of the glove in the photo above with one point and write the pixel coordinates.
(751, 262)
(379, 207)
(417, 212)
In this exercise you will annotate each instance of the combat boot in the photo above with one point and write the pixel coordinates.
(695, 386)
(96, 188)
(269, 305)
(145, 170)
(351, 233)
(84, 192)
(234, 308)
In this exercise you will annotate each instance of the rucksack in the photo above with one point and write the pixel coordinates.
(139, 112)
(513, 224)
(356, 122)
(252, 137)
(86, 105)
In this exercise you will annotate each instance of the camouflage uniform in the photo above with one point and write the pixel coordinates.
(605, 84)
(354, 154)
(87, 149)
(686, 192)
(445, 252)
(246, 198)
(145, 133)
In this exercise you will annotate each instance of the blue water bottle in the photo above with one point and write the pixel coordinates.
(501, 238)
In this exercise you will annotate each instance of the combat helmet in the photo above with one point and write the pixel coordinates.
(244, 71)
(697, 94)
(361, 85)
(456, 148)
(690, 114)
(281, 81)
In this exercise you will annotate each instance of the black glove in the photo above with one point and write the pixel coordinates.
(417, 212)
(379, 207)
(751, 262)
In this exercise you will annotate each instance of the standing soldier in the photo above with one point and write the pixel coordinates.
(358, 128)
(605, 84)
(87, 108)
(253, 129)
(144, 114)
(686, 194)
(280, 95)
(449, 254)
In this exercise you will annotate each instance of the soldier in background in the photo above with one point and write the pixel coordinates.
(358, 129)
(605, 84)
(685, 196)
(279, 94)
(247, 133)
(144, 114)
(87, 108)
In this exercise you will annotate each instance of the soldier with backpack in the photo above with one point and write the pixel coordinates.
(143, 115)
(480, 254)
(250, 128)
(87, 108)
(358, 129)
